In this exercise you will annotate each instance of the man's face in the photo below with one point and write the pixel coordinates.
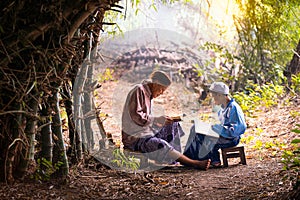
(158, 90)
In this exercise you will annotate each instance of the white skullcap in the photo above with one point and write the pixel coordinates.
(219, 87)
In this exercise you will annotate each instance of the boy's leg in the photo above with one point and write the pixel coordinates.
(222, 143)
(199, 146)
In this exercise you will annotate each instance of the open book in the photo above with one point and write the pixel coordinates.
(204, 128)
(176, 118)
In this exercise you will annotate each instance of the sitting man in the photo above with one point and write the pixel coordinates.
(139, 126)
(232, 125)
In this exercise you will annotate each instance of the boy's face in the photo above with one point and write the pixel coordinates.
(217, 98)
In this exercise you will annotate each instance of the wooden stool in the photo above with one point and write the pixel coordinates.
(233, 152)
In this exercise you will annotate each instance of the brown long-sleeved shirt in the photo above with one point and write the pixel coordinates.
(136, 117)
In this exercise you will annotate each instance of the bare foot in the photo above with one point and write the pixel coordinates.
(203, 164)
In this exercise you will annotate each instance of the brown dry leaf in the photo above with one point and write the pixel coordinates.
(164, 183)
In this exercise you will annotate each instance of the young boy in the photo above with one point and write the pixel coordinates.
(232, 125)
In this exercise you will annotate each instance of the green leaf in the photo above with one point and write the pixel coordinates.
(136, 11)
(295, 130)
(153, 6)
(295, 141)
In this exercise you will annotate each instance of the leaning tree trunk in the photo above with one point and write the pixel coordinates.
(294, 67)
(31, 126)
(17, 124)
(87, 109)
(78, 115)
(59, 149)
(67, 99)
(30, 132)
(46, 134)
(88, 96)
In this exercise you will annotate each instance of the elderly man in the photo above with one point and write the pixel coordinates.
(159, 137)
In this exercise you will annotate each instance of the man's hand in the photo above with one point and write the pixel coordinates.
(169, 120)
(162, 120)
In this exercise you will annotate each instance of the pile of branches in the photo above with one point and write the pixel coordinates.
(185, 65)
(42, 46)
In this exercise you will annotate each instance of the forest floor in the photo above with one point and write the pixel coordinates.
(267, 136)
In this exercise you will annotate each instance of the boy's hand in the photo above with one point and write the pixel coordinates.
(217, 128)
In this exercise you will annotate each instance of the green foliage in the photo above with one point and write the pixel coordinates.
(123, 161)
(228, 61)
(45, 169)
(265, 30)
(267, 34)
(295, 83)
(138, 7)
(258, 144)
(198, 69)
(247, 139)
(291, 157)
(106, 76)
(294, 114)
(254, 139)
(112, 17)
(255, 97)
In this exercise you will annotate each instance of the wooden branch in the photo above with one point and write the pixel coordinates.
(42, 126)
(118, 6)
(108, 23)
(14, 112)
(296, 53)
(31, 36)
(80, 19)
(34, 33)
(119, 11)
(44, 27)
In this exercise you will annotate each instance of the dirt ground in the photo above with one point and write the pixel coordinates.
(261, 178)
(257, 180)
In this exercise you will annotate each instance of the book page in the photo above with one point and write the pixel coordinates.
(204, 128)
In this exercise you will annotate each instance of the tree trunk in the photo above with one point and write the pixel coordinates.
(31, 125)
(59, 149)
(78, 86)
(294, 67)
(30, 132)
(88, 96)
(85, 145)
(46, 135)
(67, 98)
(78, 115)
(87, 109)
(12, 159)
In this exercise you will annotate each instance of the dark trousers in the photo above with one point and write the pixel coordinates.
(202, 147)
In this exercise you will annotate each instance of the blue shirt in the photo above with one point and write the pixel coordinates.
(232, 121)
